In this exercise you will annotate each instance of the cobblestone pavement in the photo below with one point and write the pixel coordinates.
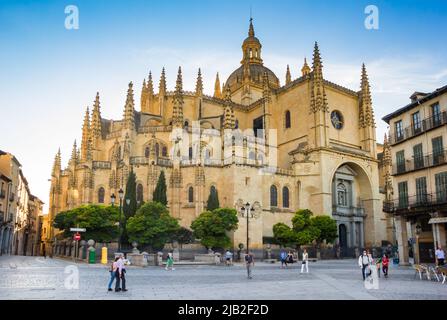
(39, 278)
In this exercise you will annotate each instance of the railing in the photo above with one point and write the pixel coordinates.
(150, 129)
(432, 122)
(102, 165)
(2, 194)
(139, 160)
(425, 161)
(164, 162)
(420, 201)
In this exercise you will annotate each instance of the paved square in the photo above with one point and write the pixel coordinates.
(39, 278)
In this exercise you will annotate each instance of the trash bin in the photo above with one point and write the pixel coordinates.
(91, 255)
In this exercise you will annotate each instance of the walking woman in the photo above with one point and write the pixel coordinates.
(170, 262)
(112, 273)
(305, 261)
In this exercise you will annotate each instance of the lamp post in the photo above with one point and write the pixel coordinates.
(248, 212)
(121, 196)
(112, 199)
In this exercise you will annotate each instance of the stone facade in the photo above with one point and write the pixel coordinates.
(317, 137)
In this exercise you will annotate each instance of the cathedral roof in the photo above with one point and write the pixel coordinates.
(256, 72)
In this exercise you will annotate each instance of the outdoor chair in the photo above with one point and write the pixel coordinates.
(421, 269)
(443, 272)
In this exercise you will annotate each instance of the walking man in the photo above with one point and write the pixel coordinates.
(364, 263)
(250, 262)
(120, 275)
(283, 258)
(440, 256)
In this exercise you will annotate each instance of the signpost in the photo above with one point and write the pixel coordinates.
(77, 237)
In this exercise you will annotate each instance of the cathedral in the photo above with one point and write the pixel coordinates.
(267, 147)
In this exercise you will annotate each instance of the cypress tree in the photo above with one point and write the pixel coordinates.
(160, 190)
(130, 209)
(213, 200)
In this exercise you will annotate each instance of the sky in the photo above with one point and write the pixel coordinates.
(49, 74)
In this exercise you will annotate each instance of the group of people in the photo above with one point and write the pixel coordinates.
(367, 263)
(118, 274)
(286, 258)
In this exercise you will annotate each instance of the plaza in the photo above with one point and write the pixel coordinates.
(39, 278)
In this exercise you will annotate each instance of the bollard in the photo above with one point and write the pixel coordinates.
(91, 255)
(104, 255)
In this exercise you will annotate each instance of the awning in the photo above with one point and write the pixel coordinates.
(438, 220)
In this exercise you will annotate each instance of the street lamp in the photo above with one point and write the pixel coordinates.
(245, 211)
(112, 199)
(121, 196)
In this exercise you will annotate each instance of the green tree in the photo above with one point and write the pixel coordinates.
(183, 236)
(327, 227)
(100, 222)
(213, 200)
(283, 234)
(152, 225)
(159, 194)
(130, 209)
(211, 227)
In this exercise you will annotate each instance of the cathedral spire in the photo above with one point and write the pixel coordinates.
(318, 95)
(228, 117)
(74, 155)
(144, 95)
(162, 85)
(217, 92)
(85, 135)
(366, 111)
(251, 29)
(288, 75)
(305, 70)
(266, 94)
(57, 163)
(177, 112)
(95, 125)
(199, 84)
(128, 116)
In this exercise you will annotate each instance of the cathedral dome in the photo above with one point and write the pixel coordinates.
(256, 72)
(252, 68)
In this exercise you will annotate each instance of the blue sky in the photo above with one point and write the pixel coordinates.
(50, 74)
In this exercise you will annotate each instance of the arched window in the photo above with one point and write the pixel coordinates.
(190, 194)
(186, 123)
(207, 154)
(157, 150)
(252, 155)
(236, 124)
(101, 195)
(147, 152)
(213, 189)
(251, 53)
(140, 193)
(273, 196)
(285, 197)
(287, 119)
(342, 199)
(164, 152)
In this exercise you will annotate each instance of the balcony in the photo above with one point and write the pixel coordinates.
(426, 161)
(415, 129)
(102, 164)
(2, 194)
(416, 203)
(139, 160)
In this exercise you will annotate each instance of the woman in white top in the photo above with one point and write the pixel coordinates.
(305, 261)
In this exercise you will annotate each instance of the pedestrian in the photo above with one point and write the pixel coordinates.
(249, 262)
(44, 253)
(385, 264)
(283, 258)
(377, 263)
(170, 262)
(440, 256)
(112, 273)
(120, 275)
(364, 263)
(229, 258)
(290, 257)
(305, 261)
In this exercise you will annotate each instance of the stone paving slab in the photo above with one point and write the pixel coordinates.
(38, 278)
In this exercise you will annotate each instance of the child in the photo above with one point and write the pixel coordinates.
(385, 264)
